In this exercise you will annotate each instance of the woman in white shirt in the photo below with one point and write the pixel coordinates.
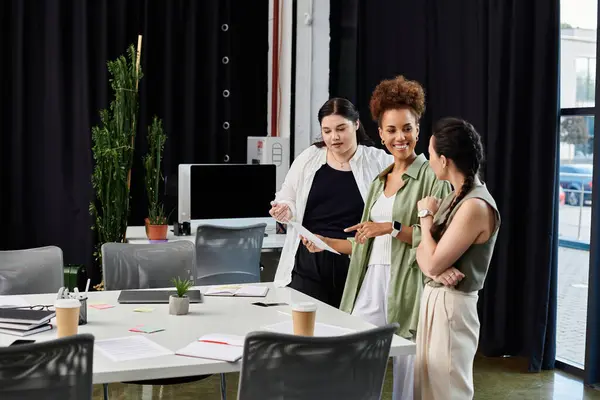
(325, 190)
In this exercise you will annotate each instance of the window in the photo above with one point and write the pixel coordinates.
(585, 70)
(576, 132)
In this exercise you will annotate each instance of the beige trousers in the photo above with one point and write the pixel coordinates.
(447, 339)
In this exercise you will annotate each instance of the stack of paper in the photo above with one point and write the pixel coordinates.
(215, 347)
(238, 291)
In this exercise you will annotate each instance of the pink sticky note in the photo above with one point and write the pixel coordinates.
(101, 306)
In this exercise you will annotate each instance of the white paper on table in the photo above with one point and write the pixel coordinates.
(321, 330)
(237, 290)
(252, 291)
(302, 231)
(13, 301)
(212, 351)
(130, 348)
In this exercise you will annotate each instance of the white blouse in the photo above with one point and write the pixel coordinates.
(381, 252)
(366, 164)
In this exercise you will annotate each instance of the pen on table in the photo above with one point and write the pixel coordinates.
(213, 341)
(87, 286)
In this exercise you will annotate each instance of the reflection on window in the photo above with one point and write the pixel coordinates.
(585, 69)
(577, 136)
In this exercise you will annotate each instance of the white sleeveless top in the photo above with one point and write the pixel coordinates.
(381, 252)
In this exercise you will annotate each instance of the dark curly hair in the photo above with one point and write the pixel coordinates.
(458, 141)
(344, 108)
(397, 93)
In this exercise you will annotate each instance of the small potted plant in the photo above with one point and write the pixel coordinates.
(156, 223)
(179, 304)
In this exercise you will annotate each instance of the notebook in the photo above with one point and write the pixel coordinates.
(21, 332)
(237, 291)
(25, 316)
(220, 347)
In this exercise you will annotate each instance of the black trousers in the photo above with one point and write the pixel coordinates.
(320, 275)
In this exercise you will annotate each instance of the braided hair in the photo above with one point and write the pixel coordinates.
(458, 141)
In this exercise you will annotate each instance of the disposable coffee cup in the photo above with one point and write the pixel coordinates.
(67, 316)
(303, 318)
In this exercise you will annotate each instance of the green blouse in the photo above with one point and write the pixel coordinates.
(406, 281)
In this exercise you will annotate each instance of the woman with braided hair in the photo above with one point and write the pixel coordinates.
(457, 242)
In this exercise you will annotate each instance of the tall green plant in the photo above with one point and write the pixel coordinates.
(152, 161)
(113, 151)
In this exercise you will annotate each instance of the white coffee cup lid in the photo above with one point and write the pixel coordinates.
(305, 306)
(67, 303)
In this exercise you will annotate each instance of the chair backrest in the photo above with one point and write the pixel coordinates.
(278, 366)
(56, 369)
(146, 266)
(228, 254)
(31, 271)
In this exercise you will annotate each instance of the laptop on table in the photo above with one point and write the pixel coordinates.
(155, 296)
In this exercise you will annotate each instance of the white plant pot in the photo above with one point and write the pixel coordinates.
(179, 305)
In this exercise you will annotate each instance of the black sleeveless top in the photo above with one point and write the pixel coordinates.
(334, 203)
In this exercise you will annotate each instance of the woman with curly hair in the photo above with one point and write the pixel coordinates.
(456, 248)
(384, 283)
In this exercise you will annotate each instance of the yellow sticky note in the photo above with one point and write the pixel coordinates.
(143, 309)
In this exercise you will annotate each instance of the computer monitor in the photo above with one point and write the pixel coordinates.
(211, 191)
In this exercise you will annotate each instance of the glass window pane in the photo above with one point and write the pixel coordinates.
(578, 53)
(575, 198)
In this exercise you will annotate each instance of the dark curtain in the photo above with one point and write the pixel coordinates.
(54, 82)
(494, 63)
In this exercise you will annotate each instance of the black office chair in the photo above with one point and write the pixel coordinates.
(59, 369)
(228, 255)
(349, 367)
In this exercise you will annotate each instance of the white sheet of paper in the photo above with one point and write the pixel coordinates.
(224, 290)
(321, 330)
(13, 301)
(242, 291)
(212, 351)
(252, 291)
(302, 231)
(130, 348)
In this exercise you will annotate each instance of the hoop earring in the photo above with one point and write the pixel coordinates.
(417, 138)
(382, 142)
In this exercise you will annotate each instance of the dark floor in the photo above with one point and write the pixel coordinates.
(495, 378)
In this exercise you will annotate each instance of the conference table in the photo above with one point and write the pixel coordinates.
(216, 315)
(272, 242)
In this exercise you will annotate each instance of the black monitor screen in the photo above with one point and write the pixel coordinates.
(231, 190)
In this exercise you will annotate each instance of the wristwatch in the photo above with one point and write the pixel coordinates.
(396, 228)
(424, 213)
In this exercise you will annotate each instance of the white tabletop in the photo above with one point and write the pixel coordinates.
(225, 315)
(271, 242)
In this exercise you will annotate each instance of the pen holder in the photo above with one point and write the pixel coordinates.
(83, 311)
